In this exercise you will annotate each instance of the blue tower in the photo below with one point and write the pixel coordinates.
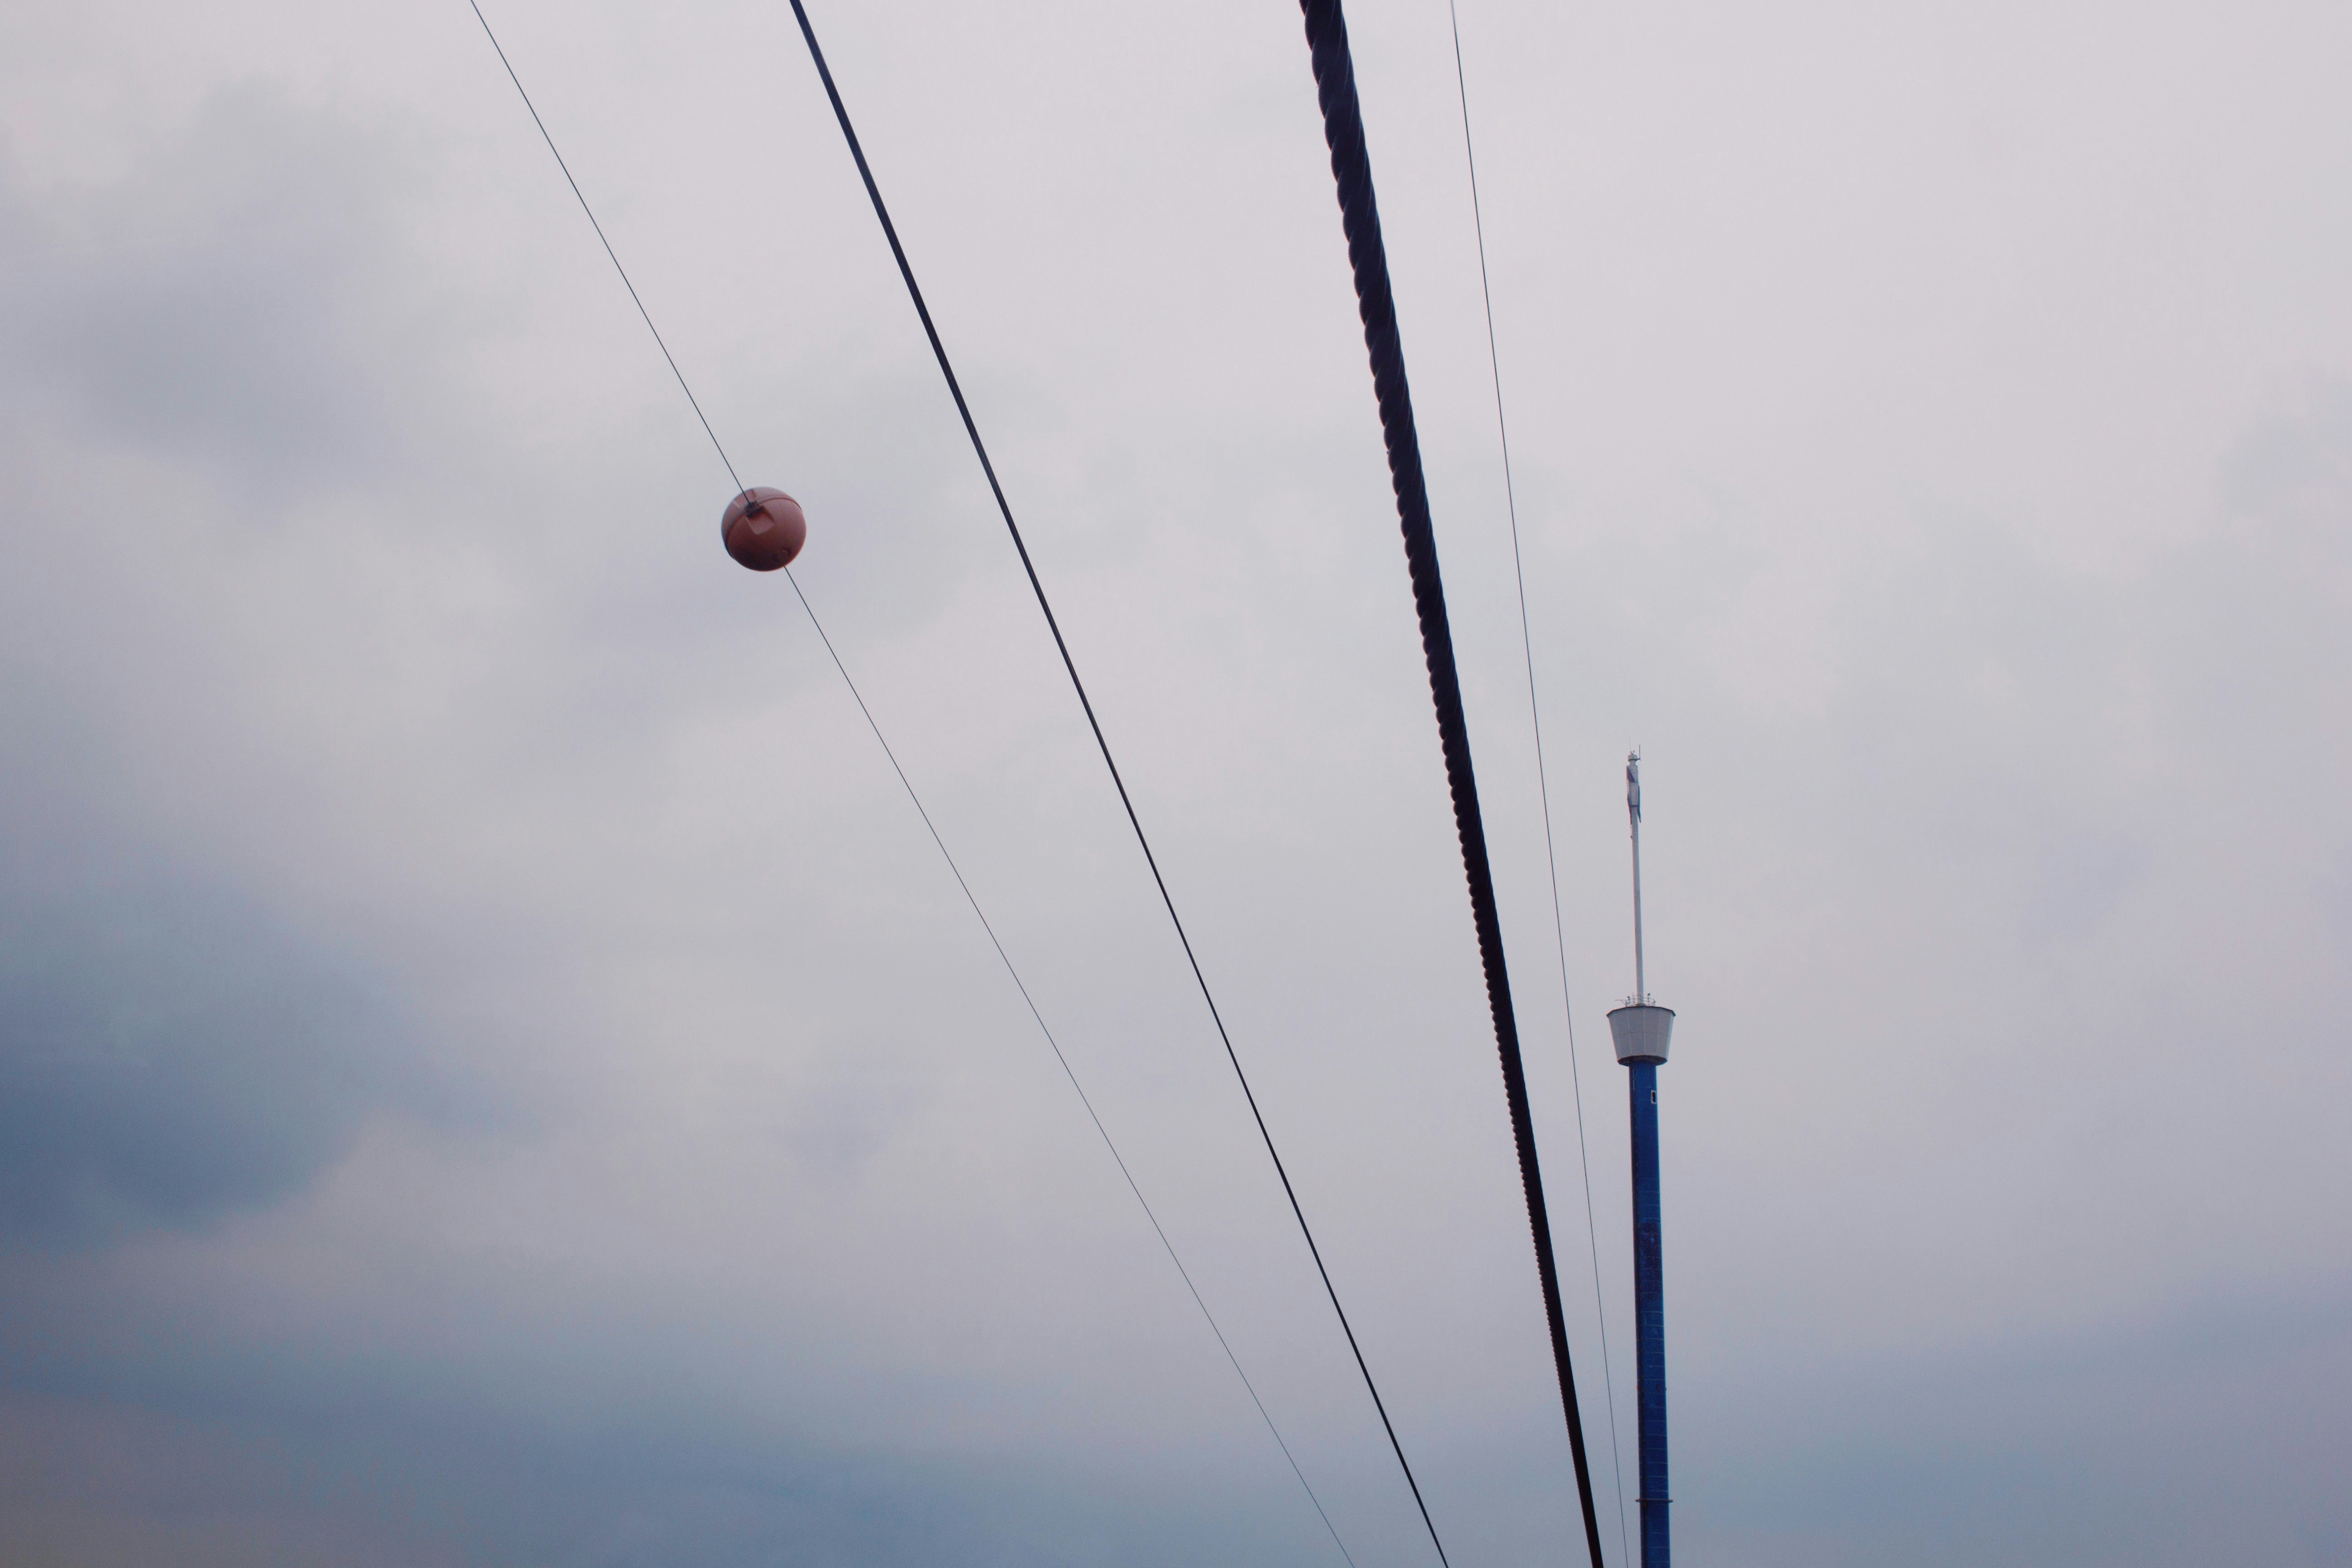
(1641, 1031)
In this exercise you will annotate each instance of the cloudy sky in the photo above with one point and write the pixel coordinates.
(492, 1069)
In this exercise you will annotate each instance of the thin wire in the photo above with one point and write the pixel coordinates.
(955, 389)
(907, 784)
(607, 244)
(1543, 786)
(1058, 1056)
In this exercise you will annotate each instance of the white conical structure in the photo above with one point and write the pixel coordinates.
(1641, 1032)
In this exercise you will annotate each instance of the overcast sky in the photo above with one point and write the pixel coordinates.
(493, 1070)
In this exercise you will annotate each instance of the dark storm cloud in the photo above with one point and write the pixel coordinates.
(165, 1055)
(457, 1486)
(171, 1049)
(175, 1045)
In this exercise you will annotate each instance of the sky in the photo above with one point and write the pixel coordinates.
(493, 1068)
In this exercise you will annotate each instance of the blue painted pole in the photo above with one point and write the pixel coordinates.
(1642, 1031)
(1649, 1315)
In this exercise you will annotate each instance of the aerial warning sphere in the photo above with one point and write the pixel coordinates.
(763, 528)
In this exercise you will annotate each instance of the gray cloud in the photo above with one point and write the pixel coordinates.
(228, 304)
(167, 1053)
(1990, 1453)
(495, 1071)
(210, 1489)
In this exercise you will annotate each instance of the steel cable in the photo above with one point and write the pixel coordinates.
(979, 448)
(1343, 133)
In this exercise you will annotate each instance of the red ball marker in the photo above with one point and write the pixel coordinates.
(763, 528)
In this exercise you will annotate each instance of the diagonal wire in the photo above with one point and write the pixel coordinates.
(1543, 786)
(607, 244)
(1066, 1070)
(907, 784)
(955, 389)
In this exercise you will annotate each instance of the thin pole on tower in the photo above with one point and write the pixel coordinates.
(1633, 810)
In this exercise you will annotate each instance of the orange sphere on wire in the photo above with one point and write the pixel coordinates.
(763, 528)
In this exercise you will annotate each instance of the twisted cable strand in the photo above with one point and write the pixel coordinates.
(1360, 218)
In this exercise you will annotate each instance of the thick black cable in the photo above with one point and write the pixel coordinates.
(1543, 781)
(1343, 133)
(956, 871)
(955, 389)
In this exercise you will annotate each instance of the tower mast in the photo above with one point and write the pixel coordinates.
(1642, 1030)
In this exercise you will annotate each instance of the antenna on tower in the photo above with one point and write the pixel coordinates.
(1633, 810)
